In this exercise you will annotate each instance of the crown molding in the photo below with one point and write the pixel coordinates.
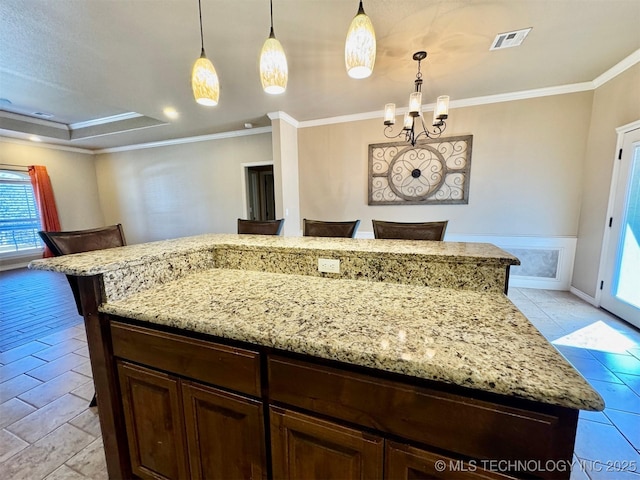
(50, 146)
(617, 69)
(284, 117)
(101, 121)
(180, 141)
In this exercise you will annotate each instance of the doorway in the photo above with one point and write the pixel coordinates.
(261, 203)
(621, 281)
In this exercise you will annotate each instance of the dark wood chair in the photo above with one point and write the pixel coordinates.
(78, 241)
(318, 228)
(410, 231)
(260, 227)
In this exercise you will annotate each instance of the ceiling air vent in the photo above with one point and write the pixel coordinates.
(510, 39)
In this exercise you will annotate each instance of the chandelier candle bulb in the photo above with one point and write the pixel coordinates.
(390, 114)
(415, 104)
(442, 107)
(408, 122)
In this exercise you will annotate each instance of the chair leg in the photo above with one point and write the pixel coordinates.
(94, 401)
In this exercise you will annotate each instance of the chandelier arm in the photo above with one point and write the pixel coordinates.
(389, 129)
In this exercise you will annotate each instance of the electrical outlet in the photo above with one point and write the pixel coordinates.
(328, 265)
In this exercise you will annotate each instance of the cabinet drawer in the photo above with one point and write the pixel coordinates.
(468, 426)
(228, 367)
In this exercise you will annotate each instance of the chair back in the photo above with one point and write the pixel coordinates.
(318, 228)
(410, 231)
(78, 241)
(260, 227)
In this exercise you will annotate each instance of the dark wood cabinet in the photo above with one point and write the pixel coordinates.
(154, 421)
(178, 429)
(196, 409)
(225, 434)
(404, 462)
(307, 447)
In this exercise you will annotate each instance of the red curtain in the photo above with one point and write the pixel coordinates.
(46, 201)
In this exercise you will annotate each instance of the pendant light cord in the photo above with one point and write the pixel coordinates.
(271, 34)
(201, 34)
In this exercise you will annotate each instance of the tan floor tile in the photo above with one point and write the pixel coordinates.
(13, 410)
(47, 454)
(65, 473)
(60, 336)
(84, 351)
(57, 367)
(59, 349)
(16, 386)
(46, 419)
(19, 367)
(21, 351)
(91, 461)
(84, 369)
(88, 421)
(49, 391)
(10, 445)
(86, 391)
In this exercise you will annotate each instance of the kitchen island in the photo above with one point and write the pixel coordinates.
(232, 357)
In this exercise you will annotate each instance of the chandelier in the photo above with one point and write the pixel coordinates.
(413, 126)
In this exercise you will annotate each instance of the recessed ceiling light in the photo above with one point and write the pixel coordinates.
(248, 125)
(43, 114)
(171, 112)
(5, 101)
(34, 138)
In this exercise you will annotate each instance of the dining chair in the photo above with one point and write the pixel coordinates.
(78, 241)
(260, 227)
(409, 231)
(318, 228)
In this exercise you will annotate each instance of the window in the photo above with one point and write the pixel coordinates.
(19, 218)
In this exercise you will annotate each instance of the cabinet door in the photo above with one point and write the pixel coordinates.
(404, 462)
(310, 448)
(153, 417)
(225, 434)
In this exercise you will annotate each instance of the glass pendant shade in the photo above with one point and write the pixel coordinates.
(390, 114)
(415, 103)
(408, 121)
(274, 72)
(360, 47)
(204, 82)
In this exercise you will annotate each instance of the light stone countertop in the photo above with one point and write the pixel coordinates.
(101, 261)
(473, 339)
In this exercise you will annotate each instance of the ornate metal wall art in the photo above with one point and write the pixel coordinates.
(433, 172)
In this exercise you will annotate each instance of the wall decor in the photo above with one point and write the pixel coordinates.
(433, 172)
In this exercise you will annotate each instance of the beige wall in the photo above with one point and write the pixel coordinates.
(615, 104)
(179, 190)
(73, 178)
(526, 169)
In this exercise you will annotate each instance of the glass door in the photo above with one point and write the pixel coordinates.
(621, 282)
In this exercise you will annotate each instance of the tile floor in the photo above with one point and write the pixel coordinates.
(48, 431)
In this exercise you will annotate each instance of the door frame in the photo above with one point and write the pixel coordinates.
(243, 178)
(606, 238)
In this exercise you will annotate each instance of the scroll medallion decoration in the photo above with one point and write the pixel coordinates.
(432, 172)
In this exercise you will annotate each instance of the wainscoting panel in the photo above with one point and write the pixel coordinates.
(546, 262)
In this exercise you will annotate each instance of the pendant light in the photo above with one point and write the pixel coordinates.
(204, 79)
(360, 47)
(274, 72)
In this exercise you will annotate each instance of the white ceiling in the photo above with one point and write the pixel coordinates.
(83, 60)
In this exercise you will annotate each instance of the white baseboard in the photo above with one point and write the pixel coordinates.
(587, 298)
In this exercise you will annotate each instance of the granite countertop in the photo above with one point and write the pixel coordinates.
(101, 261)
(473, 339)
